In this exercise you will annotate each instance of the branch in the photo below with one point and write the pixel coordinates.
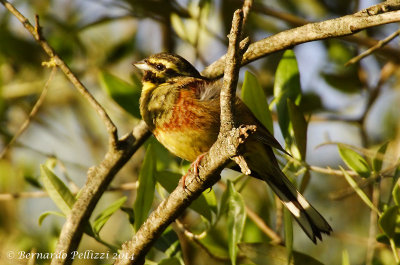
(227, 145)
(98, 179)
(337, 27)
(37, 35)
(379, 45)
(31, 115)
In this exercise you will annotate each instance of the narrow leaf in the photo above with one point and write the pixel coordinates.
(236, 220)
(103, 217)
(354, 161)
(57, 190)
(378, 158)
(254, 97)
(359, 191)
(123, 93)
(287, 218)
(345, 257)
(298, 129)
(145, 191)
(287, 85)
(45, 214)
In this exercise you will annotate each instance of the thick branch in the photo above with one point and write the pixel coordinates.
(134, 251)
(337, 27)
(99, 178)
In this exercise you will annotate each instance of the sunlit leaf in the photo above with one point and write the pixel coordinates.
(45, 214)
(254, 97)
(354, 161)
(170, 261)
(145, 191)
(345, 257)
(287, 85)
(103, 217)
(125, 94)
(57, 190)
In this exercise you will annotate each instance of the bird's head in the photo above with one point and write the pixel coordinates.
(160, 67)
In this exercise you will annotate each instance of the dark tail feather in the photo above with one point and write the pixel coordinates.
(309, 219)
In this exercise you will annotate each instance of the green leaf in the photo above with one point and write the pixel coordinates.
(103, 217)
(145, 191)
(388, 221)
(125, 94)
(264, 253)
(45, 214)
(396, 193)
(383, 238)
(235, 209)
(354, 161)
(57, 190)
(298, 129)
(254, 97)
(204, 205)
(345, 257)
(378, 158)
(287, 85)
(169, 244)
(170, 261)
(287, 218)
(359, 191)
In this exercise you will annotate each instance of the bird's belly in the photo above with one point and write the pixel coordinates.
(187, 144)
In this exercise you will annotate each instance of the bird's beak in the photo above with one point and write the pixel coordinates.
(142, 65)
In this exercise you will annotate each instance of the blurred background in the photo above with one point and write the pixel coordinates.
(99, 40)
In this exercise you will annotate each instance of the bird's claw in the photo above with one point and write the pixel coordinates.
(195, 167)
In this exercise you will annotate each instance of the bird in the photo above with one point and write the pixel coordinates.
(182, 109)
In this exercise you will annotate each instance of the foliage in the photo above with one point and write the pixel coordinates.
(305, 96)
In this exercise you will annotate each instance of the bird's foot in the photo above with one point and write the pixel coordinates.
(193, 167)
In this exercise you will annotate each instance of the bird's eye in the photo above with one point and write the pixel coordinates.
(160, 67)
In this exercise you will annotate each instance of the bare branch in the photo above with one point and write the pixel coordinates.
(337, 27)
(379, 45)
(31, 115)
(36, 33)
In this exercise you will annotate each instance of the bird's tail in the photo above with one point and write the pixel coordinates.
(309, 219)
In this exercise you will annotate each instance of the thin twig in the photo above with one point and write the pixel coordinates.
(36, 33)
(31, 115)
(379, 45)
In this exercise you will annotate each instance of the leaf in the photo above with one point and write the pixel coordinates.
(287, 85)
(396, 193)
(204, 205)
(123, 93)
(236, 214)
(287, 218)
(359, 191)
(264, 253)
(145, 191)
(388, 221)
(103, 217)
(170, 261)
(57, 190)
(354, 161)
(298, 129)
(45, 214)
(345, 257)
(378, 158)
(254, 97)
